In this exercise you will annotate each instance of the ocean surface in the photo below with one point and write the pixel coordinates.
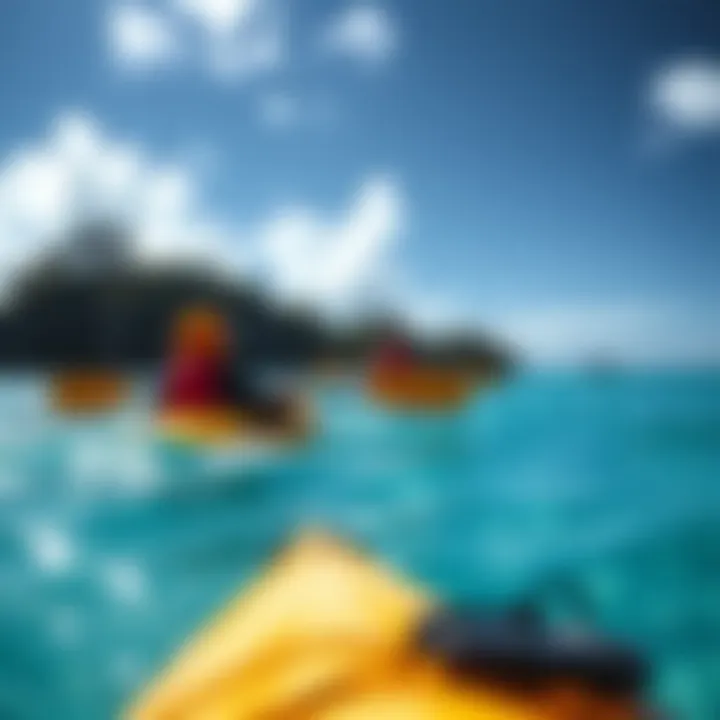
(597, 496)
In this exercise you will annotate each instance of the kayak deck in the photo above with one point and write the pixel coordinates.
(324, 635)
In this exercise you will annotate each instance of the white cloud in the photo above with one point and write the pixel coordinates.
(79, 172)
(334, 264)
(220, 17)
(239, 39)
(363, 238)
(141, 37)
(686, 94)
(365, 33)
(229, 39)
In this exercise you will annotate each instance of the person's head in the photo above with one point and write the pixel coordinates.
(201, 330)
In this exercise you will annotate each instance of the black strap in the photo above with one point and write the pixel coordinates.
(519, 647)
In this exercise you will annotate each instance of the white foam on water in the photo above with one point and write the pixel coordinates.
(51, 548)
(138, 471)
(105, 463)
(244, 457)
(125, 581)
(88, 463)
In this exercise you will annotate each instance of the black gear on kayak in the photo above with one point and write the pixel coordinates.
(529, 653)
(243, 391)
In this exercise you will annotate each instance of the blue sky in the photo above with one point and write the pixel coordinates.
(547, 169)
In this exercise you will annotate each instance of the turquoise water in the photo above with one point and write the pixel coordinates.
(596, 496)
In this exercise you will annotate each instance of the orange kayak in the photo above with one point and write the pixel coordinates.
(87, 391)
(421, 389)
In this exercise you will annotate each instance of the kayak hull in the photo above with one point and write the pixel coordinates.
(88, 391)
(223, 427)
(421, 389)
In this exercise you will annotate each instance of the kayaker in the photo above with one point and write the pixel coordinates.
(205, 371)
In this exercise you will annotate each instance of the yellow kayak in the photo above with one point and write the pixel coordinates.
(87, 391)
(422, 389)
(223, 427)
(327, 635)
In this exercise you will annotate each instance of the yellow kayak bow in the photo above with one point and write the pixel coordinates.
(327, 635)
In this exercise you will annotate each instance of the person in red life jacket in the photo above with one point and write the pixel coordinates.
(204, 371)
(199, 356)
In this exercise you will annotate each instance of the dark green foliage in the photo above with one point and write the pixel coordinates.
(85, 308)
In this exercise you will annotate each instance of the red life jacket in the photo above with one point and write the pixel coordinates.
(193, 381)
